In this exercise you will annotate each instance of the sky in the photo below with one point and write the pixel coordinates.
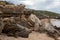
(48, 5)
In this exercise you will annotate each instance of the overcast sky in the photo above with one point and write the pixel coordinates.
(50, 5)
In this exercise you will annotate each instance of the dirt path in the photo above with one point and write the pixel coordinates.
(32, 36)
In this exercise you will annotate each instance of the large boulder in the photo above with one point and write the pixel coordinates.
(49, 28)
(12, 28)
(36, 20)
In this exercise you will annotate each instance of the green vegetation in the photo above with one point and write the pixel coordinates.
(45, 13)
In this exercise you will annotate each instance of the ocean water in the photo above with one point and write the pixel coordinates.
(55, 22)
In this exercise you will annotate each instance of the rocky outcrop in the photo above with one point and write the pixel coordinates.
(47, 26)
(12, 10)
(13, 28)
(12, 23)
(19, 21)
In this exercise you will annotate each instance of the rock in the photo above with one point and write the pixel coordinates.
(1, 25)
(16, 31)
(49, 28)
(12, 28)
(36, 20)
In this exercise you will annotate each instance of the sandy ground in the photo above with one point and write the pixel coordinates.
(32, 36)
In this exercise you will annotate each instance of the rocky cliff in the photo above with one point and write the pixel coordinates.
(19, 21)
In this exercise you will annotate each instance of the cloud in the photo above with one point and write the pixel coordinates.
(54, 4)
(35, 4)
(51, 5)
(16, 2)
(27, 2)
